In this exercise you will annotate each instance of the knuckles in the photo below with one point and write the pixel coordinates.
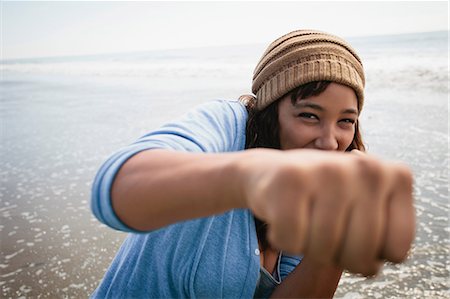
(367, 269)
(373, 172)
(404, 177)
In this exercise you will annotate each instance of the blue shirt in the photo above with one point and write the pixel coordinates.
(214, 257)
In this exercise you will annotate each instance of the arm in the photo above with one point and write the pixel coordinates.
(155, 188)
(335, 208)
(363, 214)
(309, 280)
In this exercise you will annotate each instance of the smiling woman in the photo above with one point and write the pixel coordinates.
(236, 200)
(318, 122)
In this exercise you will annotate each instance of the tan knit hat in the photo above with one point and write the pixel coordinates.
(303, 56)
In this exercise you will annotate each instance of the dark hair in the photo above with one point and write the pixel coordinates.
(262, 130)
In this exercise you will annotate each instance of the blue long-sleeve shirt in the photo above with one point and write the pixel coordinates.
(212, 257)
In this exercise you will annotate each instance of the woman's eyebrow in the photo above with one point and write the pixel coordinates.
(303, 104)
(350, 111)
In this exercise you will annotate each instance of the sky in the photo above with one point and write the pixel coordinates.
(41, 29)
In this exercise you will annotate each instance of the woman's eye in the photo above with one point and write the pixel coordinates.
(308, 116)
(348, 121)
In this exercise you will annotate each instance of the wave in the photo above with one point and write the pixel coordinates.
(407, 60)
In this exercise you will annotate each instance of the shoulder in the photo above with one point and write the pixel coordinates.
(222, 122)
(222, 109)
(214, 126)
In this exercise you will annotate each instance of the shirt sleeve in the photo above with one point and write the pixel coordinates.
(288, 264)
(217, 126)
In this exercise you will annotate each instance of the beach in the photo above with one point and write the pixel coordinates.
(62, 117)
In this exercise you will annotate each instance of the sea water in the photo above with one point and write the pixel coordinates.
(61, 117)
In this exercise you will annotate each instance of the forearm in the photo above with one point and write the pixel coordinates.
(156, 188)
(309, 280)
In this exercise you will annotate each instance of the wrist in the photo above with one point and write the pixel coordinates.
(237, 173)
(245, 171)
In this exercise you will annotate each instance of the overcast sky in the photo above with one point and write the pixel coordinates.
(35, 29)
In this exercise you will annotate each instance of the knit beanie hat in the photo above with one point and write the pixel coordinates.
(304, 56)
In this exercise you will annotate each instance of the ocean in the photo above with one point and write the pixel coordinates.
(61, 117)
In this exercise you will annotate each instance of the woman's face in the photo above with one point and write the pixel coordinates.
(326, 121)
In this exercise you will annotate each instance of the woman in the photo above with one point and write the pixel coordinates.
(280, 218)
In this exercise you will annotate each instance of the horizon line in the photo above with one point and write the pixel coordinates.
(62, 56)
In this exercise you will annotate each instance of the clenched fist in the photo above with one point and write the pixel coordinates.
(336, 208)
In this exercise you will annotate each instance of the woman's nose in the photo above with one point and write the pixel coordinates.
(327, 140)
